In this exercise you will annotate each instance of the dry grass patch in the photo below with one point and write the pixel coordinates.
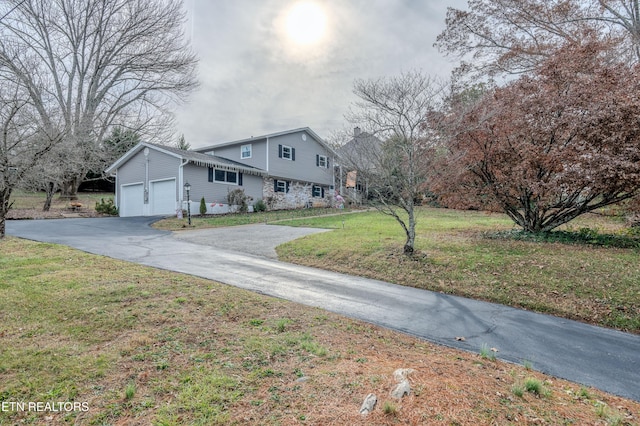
(28, 205)
(143, 346)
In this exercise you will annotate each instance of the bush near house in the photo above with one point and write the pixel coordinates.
(106, 207)
(260, 206)
(238, 198)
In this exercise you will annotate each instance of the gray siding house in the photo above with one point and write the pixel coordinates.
(298, 166)
(290, 169)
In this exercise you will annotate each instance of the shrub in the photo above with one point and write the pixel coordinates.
(203, 206)
(237, 197)
(260, 206)
(106, 207)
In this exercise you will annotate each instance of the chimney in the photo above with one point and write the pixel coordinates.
(356, 131)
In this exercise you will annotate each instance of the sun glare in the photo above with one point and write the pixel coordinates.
(306, 23)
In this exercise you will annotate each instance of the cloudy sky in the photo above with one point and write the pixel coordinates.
(273, 65)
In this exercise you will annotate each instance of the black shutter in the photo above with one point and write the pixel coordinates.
(322, 191)
(239, 178)
(275, 185)
(280, 151)
(317, 160)
(327, 162)
(287, 189)
(210, 174)
(293, 154)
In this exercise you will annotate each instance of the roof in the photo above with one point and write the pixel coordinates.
(361, 150)
(192, 157)
(313, 134)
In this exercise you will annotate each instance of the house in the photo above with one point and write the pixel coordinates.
(359, 156)
(289, 169)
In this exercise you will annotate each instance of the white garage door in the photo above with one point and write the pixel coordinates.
(162, 197)
(131, 200)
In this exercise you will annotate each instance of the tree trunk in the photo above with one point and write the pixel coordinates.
(409, 245)
(4, 209)
(51, 190)
(69, 188)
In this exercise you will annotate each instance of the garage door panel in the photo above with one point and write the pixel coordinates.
(131, 200)
(162, 197)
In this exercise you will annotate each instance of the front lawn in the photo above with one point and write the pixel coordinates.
(134, 345)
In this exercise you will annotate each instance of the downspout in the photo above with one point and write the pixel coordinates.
(267, 165)
(146, 175)
(181, 184)
(265, 179)
(333, 174)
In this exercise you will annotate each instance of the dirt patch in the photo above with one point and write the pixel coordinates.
(19, 214)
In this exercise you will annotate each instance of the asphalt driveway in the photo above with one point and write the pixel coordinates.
(260, 240)
(593, 356)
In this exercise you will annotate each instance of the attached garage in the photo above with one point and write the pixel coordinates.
(162, 197)
(150, 180)
(131, 200)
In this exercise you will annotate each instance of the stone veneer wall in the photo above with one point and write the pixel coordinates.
(299, 196)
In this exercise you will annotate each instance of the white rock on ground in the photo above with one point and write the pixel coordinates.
(402, 374)
(403, 388)
(368, 404)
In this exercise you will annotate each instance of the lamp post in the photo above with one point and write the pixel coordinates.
(187, 188)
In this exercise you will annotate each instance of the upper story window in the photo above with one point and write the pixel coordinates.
(245, 151)
(287, 152)
(322, 161)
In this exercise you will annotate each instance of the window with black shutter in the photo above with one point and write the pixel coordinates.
(287, 152)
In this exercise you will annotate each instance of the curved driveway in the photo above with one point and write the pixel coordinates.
(593, 356)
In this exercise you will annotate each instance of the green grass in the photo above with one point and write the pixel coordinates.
(215, 221)
(472, 254)
(69, 320)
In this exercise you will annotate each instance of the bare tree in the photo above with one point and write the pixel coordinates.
(50, 173)
(494, 37)
(24, 142)
(397, 111)
(100, 63)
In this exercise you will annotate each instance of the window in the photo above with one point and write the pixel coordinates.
(317, 191)
(280, 186)
(287, 152)
(224, 176)
(245, 151)
(322, 161)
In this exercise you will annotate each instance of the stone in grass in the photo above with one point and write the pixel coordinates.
(402, 374)
(403, 388)
(368, 404)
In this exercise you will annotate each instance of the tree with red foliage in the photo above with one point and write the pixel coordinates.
(552, 145)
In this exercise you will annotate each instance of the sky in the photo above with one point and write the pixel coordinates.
(267, 66)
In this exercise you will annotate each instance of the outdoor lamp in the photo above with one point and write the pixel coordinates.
(187, 188)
